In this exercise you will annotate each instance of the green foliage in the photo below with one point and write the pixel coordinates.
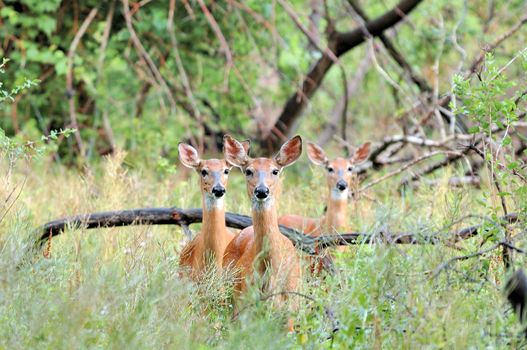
(14, 149)
(487, 102)
(490, 103)
(120, 287)
(224, 96)
(9, 94)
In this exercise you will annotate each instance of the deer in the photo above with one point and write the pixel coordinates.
(207, 248)
(339, 174)
(261, 249)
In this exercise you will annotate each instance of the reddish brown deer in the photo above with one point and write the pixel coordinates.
(262, 246)
(207, 248)
(339, 177)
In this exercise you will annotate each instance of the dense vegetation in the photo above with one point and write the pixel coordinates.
(95, 96)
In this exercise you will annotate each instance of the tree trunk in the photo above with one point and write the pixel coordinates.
(339, 44)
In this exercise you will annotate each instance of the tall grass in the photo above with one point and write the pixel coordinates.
(120, 288)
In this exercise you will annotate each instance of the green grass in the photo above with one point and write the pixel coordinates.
(119, 287)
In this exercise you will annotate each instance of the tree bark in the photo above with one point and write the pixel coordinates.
(185, 217)
(339, 44)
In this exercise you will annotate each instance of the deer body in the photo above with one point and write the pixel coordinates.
(339, 176)
(206, 250)
(208, 247)
(335, 220)
(262, 248)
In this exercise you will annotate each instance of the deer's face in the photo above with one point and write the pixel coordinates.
(213, 174)
(262, 179)
(339, 172)
(262, 175)
(339, 176)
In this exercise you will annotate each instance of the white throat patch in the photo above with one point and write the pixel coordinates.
(213, 202)
(339, 195)
(261, 205)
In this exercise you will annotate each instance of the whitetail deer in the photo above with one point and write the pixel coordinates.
(339, 177)
(261, 248)
(207, 248)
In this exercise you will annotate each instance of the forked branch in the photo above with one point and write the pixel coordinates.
(339, 44)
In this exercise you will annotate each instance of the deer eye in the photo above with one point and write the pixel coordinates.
(330, 170)
(248, 172)
(204, 173)
(226, 171)
(350, 169)
(275, 172)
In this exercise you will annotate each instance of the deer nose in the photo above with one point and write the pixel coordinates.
(218, 191)
(261, 192)
(342, 185)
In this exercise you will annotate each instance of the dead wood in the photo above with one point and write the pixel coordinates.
(339, 44)
(185, 217)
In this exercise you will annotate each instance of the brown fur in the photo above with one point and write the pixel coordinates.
(336, 218)
(206, 250)
(262, 246)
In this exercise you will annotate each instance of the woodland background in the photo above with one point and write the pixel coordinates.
(144, 75)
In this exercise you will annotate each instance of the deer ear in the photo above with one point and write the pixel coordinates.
(246, 146)
(361, 154)
(188, 155)
(289, 152)
(234, 152)
(316, 154)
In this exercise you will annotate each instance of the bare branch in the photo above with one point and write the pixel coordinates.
(223, 43)
(339, 43)
(143, 54)
(69, 79)
(176, 216)
(336, 113)
(477, 61)
(394, 53)
(406, 166)
(447, 263)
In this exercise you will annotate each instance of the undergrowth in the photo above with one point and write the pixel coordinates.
(120, 287)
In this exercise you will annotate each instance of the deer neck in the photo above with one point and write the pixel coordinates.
(266, 232)
(213, 227)
(336, 215)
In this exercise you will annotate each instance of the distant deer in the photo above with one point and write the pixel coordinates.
(339, 176)
(262, 246)
(207, 248)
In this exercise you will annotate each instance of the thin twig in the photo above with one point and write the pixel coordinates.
(507, 255)
(69, 79)
(477, 61)
(447, 263)
(406, 166)
(143, 54)
(223, 43)
(100, 64)
(183, 74)
(340, 108)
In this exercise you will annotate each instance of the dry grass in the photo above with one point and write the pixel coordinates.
(119, 287)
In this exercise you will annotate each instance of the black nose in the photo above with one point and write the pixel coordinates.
(218, 191)
(342, 185)
(261, 192)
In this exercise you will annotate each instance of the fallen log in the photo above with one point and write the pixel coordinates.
(185, 217)
(157, 216)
